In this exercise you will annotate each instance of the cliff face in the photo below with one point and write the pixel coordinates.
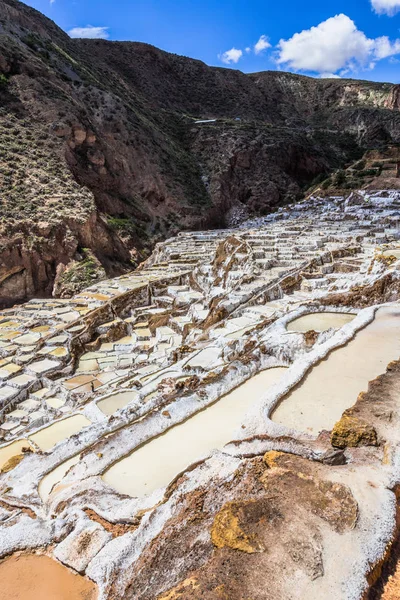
(100, 151)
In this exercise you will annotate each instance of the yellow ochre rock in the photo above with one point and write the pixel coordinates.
(271, 458)
(185, 587)
(226, 530)
(353, 432)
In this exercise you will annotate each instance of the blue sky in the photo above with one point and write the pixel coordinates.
(345, 38)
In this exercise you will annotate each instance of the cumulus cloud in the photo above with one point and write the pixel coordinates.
(262, 44)
(89, 32)
(327, 47)
(329, 76)
(384, 47)
(235, 54)
(386, 7)
(231, 56)
(332, 45)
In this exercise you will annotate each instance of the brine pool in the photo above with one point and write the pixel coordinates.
(320, 321)
(155, 464)
(333, 385)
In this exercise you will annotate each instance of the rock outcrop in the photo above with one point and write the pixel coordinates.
(353, 432)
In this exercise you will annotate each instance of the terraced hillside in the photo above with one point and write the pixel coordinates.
(221, 422)
(101, 155)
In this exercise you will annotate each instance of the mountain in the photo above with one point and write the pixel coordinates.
(101, 154)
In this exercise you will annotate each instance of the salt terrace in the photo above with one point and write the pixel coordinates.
(118, 404)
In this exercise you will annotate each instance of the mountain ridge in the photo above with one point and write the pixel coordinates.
(101, 155)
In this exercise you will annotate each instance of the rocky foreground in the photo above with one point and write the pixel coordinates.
(147, 448)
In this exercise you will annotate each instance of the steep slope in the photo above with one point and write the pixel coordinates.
(101, 155)
(377, 170)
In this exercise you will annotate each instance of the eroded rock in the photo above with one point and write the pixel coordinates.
(353, 432)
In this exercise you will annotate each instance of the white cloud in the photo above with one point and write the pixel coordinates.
(327, 47)
(386, 7)
(332, 45)
(231, 56)
(384, 47)
(329, 76)
(262, 44)
(234, 54)
(89, 32)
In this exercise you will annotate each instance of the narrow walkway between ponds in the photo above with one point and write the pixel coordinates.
(156, 463)
(333, 385)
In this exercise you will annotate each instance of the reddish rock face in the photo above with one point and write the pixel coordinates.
(61, 129)
(79, 135)
(394, 98)
(30, 270)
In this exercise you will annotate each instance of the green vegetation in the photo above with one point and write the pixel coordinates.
(340, 178)
(318, 179)
(327, 183)
(69, 58)
(356, 175)
(81, 274)
(83, 271)
(360, 165)
(121, 223)
(369, 173)
(32, 41)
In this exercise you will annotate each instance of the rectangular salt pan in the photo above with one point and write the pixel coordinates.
(48, 437)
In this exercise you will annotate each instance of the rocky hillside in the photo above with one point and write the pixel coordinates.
(101, 154)
(377, 170)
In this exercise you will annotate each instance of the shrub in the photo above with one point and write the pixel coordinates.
(369, 173)
(326, 184)
(340, 178)
(318, 179)
(360, 165)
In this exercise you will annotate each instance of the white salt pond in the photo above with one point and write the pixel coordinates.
(60, 430)
(320, 321)
(112, 403)
(55, 476)
(333, 385)
(11, 450)
(393, 252)
(155, 464)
